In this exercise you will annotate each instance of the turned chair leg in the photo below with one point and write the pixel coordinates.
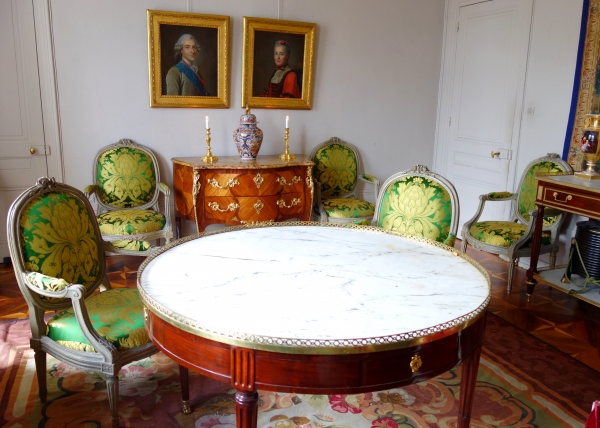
(553, 258)
(40, 368)
(511, 272)
(112, 385)
(184, 378)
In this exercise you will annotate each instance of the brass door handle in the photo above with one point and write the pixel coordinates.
(32, 150)
(496, 154)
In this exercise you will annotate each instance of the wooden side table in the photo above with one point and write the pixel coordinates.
(234, 192)
(573, 195)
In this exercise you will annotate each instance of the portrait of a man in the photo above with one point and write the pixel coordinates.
(189, 61)
(183, 78)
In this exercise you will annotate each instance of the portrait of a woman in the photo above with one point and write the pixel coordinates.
(284, 82)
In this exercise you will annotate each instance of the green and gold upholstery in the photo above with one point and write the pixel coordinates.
(503, 233)
(526, 198)
(348, 208)
(335, 168)
(58, 256)
(58, 241)
(513, 238)
(418, 204)
(125, 177)
(127, 187)
(116, 314)
(336, 172)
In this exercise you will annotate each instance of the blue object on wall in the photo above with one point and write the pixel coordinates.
(577, 80)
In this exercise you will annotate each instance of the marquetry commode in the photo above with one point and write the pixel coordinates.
(234, 192)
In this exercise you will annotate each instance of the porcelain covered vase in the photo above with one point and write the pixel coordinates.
(248, 137)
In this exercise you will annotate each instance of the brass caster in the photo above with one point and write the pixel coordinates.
(186, 407)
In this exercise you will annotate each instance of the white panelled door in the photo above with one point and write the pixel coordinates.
(484, 96)
(22, 143)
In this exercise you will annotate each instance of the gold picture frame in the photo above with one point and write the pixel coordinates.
(264, 87)
(587, 85)
(173, 84)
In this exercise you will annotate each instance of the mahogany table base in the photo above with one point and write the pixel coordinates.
(250, 369)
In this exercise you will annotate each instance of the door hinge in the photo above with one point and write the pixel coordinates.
(450, 121)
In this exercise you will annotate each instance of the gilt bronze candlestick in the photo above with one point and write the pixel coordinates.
(287, 156)
(209, 158)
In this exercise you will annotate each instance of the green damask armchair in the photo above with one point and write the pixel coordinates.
(336, 174)
(419, 202)
(126, 189)
(58, 257)
(512, 239)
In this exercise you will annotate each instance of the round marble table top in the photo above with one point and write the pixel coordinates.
(313, 287)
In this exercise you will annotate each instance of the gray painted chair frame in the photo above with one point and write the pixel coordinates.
(422, 171)
(517, 249)
(319, 212)
(92, 190)
(107, 360)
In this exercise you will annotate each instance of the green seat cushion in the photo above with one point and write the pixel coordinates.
(132, 245)
(503, 233)
(130, 222)
(126, 177)
(348, 208)
(417, 206)
(336, 169)
(116, 314)
(58, 239)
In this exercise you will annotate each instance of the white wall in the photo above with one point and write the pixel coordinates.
(377, 66)
(549, 87)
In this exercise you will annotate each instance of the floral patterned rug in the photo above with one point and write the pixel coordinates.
(506, 396)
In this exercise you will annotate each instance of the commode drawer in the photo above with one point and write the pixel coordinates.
(570, 201)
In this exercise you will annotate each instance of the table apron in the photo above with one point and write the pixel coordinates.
(249, 369)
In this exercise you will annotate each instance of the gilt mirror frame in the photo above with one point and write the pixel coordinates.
(588, 86)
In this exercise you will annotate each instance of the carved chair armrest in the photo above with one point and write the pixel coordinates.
(89, 190)
(370, 179)
(58, 288)
(500, 196)
(167, 194)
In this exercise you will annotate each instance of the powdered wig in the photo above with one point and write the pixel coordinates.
(179, 45)
(286, 45)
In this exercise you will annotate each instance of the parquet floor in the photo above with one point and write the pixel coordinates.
(563, 321)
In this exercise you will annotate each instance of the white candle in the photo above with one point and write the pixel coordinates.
(206, 122)
(287, 121)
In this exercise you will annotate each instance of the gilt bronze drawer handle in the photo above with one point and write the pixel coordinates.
(283, 182)
(258, 206)
(230, 183)
(567, 199)
(295, 201)
(215, 207)
(258, 180)
(415, 363)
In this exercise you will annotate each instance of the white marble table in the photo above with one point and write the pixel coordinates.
(251, 297)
